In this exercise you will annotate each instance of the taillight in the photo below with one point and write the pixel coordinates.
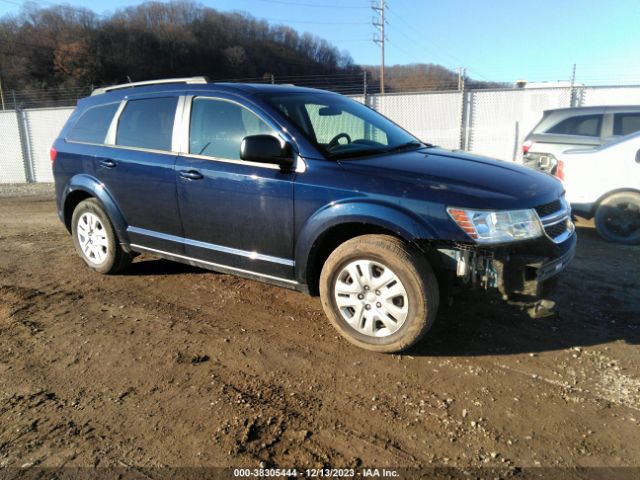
(52, 155)
(526, 146)
(560, 170)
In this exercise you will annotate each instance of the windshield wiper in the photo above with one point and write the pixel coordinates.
(374, 151)
(404, 146)
(357, 153)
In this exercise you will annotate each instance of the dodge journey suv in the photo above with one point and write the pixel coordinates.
(308, 190)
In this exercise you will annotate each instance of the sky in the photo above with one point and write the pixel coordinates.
(496, 40)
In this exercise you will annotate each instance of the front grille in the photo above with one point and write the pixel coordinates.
(556, 220)
(548, 208)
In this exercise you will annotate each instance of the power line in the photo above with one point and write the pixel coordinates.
(435, 48)
(312, 5)
(287, 20)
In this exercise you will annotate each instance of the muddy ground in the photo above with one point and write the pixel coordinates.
(169, 365)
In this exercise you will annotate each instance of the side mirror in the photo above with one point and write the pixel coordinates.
(266, 149)
(638, 156)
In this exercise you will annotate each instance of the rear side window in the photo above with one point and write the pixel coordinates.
(585, 125)
(626, 123)
(93, 124)
(147, 123)
(218, 127)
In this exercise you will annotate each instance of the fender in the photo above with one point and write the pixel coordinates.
(588, 209)
(402, 222)
(95, 188)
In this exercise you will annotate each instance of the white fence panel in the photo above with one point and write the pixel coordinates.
(500, 119)
(432, 117)
(497, 122)
(597, 96)
(12, 166)
(43, 126)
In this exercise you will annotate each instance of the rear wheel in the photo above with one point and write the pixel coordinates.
(617, 218)
(95, 239)
(379, 293)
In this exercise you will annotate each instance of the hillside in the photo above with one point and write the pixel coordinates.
(57, 53)
(64, 46)
(420, 77)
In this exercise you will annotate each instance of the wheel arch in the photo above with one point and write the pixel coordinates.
(82, 187)
(326, 230)
(606, 195)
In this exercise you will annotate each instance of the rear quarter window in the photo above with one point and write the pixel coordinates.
(626, 123)
(584, 125)
(93, 124)
(147, 123)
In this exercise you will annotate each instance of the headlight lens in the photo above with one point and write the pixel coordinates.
(497, 227)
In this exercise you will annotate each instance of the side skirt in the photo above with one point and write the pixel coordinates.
(216, 267)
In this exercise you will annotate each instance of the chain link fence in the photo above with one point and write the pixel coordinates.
(488, 122)
(25, 139)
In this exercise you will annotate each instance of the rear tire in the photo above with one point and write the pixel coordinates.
(379, 293)
(95, 239)
(617, 218)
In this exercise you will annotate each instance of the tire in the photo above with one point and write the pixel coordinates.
(402, 294)
(95, 239)
(617, 218)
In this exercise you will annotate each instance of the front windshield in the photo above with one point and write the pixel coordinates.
(340, 127)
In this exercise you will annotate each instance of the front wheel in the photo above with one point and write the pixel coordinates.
(617, 218)
(379, 293)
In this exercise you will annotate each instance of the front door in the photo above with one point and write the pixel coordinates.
(234, 213)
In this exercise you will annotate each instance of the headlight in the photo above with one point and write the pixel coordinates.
(497, 227)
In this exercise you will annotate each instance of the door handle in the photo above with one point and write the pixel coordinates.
(191, 174)
(107, 163)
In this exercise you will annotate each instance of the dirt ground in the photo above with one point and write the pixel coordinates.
(170, 365)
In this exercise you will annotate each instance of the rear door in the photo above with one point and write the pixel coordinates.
(137, 168)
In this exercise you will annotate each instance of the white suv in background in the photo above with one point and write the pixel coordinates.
(604, 183)
(579, 127)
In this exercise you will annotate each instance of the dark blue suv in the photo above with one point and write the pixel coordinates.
(309, 190)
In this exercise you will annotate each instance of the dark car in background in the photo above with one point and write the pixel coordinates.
(308, 190)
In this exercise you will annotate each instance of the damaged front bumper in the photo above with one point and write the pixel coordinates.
(524, 274)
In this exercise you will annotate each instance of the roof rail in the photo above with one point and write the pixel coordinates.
(101, 90)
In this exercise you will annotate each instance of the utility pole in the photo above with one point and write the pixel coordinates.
(1, 94)
(379, 23)
(462, 72)
(573, 99)
(364, 85)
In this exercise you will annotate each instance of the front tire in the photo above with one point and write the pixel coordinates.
(95, 239)
(617, 218)
(379, 293)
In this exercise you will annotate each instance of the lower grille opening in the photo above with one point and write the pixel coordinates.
(558, 229)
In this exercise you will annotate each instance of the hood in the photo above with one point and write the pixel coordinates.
(461, 173)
